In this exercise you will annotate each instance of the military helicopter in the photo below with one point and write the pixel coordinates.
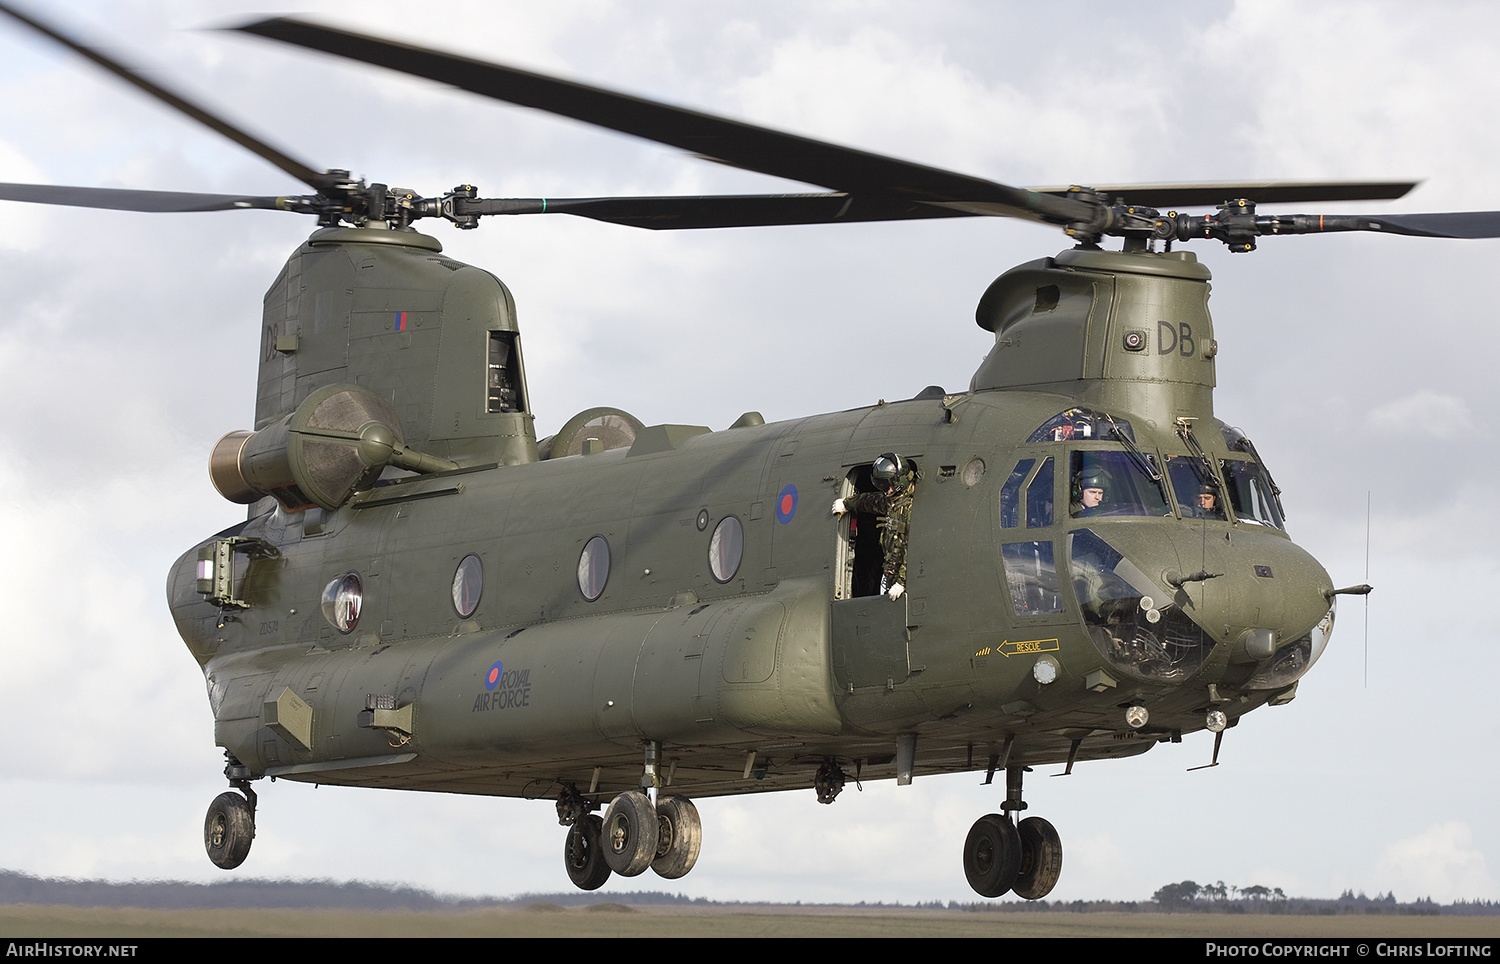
(367, 509)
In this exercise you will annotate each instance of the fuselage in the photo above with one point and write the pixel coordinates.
(1095, 563)
(749, 682)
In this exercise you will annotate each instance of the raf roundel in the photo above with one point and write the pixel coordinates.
(786, 504)
(492, 676)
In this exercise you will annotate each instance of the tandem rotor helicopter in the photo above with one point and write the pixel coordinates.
(623, 618)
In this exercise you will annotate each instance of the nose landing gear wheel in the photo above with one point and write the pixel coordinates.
(228, 830)
(992, 855)
(630, 833)
(1041, 859)
(583, 853)
(679, 837)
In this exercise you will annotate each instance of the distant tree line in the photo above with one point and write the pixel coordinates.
(19, 888)
(1181, 895)
(1219, 898)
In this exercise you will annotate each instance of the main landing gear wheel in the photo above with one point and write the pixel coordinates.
(1041, 859)
(583, 854)
(992, 855)
(630, 833)
(228, 830)
(679, 837)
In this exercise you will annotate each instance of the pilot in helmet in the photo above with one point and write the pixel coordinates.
(1091, 492)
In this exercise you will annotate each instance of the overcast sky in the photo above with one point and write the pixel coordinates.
(1358, 364)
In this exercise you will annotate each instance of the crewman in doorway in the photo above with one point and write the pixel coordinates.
(895, 480)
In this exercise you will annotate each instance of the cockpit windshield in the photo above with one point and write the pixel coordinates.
(1198, 495)
(1112, 483)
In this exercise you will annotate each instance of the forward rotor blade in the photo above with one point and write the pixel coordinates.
(1451, 224)
(292, 166)
(741, 145)
(160, 202)
(1261, 192)
(680, 213)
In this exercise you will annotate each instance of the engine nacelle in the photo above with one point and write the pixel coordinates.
(335, 443)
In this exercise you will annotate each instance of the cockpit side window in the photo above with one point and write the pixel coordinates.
(1198, 497)
(1113, 483)
(1031, 576)
(1251, 493)
(1237, 441)
(1039, 497)
(1010, 494)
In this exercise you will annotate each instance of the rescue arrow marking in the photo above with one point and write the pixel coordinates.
(1021, 647)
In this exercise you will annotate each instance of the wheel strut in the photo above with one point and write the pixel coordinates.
(573, 806)
(229, 827)
(667, 825)
(1001, 855)
(239, 777)
(1013, 801)
(651, 778)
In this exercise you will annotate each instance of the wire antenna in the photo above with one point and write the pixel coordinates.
(1367, 595)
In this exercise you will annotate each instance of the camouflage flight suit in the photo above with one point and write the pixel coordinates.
(895, 518)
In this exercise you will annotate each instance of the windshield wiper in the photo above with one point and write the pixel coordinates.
(1141, 460)
(1205, 467)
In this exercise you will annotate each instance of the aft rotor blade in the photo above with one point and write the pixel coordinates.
(733, 142)
(1240, 230)
(1261, 192)
(161, 202)
(731, 211)
(287, 163)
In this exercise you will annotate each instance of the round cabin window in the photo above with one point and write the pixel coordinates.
(342, 600)
(726, 548)
(468, 585)
(593, 568)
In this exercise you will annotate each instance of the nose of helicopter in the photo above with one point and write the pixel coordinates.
(1249, 586)
(1161, 606)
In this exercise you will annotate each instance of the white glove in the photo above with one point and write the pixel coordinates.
(895, 591)
(838, 507)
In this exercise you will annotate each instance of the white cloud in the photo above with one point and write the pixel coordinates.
(1423, 414)
(1441, 862)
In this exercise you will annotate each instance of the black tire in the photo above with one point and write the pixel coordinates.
(582, 854)
(630, 832)
(228, 830)
(992, 855)
(1041, 859)
(679, 837)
